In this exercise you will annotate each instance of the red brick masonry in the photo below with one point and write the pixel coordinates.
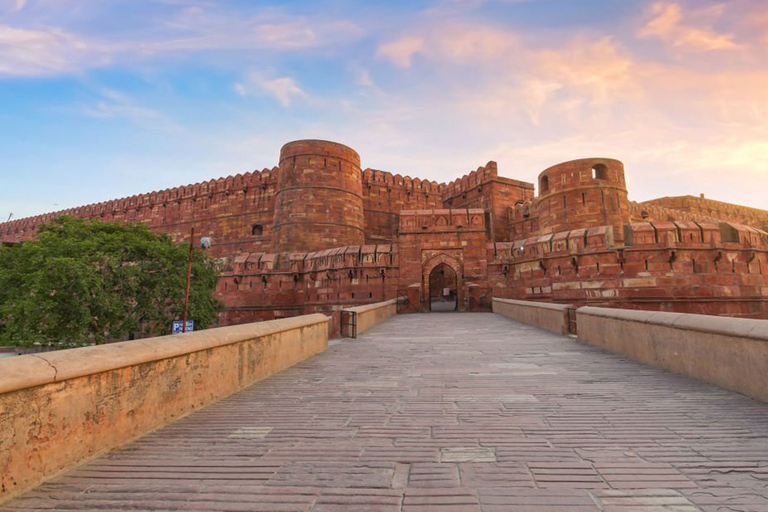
(318, 232)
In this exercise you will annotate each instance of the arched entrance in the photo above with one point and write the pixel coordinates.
(440, 272)
(443, 289)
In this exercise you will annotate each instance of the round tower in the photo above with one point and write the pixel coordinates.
(583, 194)
(319, 201)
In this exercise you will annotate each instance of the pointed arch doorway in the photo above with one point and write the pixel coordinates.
(443, 289)
(442, 284)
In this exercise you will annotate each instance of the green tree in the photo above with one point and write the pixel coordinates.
(84, 282)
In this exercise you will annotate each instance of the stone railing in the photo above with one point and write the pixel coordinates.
(550, 317)
(60, 408)
(729, 352)
(359, 319)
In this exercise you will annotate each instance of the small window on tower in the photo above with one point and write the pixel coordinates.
(600, 172)
(257, 230)
(544, 185)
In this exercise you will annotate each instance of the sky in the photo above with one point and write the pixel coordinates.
(102, 99)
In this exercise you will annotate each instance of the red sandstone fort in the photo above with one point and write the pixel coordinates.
(318, 233)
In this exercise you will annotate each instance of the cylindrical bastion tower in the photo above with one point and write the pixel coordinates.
(582, 194)
(319, 198)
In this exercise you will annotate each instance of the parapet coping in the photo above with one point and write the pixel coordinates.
(725, 326)
(534, 304)
(33, 370)
(372, 307)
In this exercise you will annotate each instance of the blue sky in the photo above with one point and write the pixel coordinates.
(105, 99)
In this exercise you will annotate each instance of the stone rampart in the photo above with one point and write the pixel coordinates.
(728, 352)
(60, 408)
(685, 267)
(236, 212)
(386, 194)
(264, 286)
(701, 208)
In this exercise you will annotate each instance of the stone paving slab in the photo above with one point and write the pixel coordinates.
(444, 412)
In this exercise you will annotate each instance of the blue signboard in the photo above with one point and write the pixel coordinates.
(176, 328)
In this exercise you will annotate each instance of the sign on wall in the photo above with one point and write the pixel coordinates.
(177, 326)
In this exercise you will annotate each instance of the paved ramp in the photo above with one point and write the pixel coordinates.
(449, 412)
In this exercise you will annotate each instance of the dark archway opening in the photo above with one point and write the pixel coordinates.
(443, 289)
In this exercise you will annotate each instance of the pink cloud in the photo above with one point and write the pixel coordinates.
(667, 24)
(401, 51)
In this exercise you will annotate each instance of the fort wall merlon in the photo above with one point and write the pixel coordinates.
(238, 212)
(701, 207)
(171, 210)
(684, 266)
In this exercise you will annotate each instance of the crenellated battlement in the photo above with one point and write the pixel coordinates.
(377, 177)
(25, 228)
(692, 207)
(319, 232)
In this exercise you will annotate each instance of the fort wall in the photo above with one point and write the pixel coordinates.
(702, 208)
(485, 189)
(236, 212)
(318, 234)
(684, 267)
(385, 195)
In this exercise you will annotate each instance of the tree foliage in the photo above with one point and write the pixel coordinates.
(84, 282)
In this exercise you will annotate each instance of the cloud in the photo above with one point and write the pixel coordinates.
(461, 42)
(667, 24)
(364, 78)
(597, 67)
(30, 48)
(283, 89)
(113, 104)
(45, 52)
(401, 51)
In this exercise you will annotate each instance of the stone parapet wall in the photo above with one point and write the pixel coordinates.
(60, 408)
(372, 314)
(728, 352)
(550, 317)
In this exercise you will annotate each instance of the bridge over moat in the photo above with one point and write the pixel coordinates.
(456, 412)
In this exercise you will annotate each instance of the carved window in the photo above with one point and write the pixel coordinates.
(257, 230)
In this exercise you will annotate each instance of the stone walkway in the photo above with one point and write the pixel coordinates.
(449, 412)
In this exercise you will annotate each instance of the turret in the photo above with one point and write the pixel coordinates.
(318, 203)
(583, 193)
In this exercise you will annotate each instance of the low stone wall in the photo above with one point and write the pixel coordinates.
(729, 352)
(373, 314)
(550, 317)
(59, 408)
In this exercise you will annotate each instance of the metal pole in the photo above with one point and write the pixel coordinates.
(189, 278)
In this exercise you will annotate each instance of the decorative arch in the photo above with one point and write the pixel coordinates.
(434, 261)
(431, 265)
